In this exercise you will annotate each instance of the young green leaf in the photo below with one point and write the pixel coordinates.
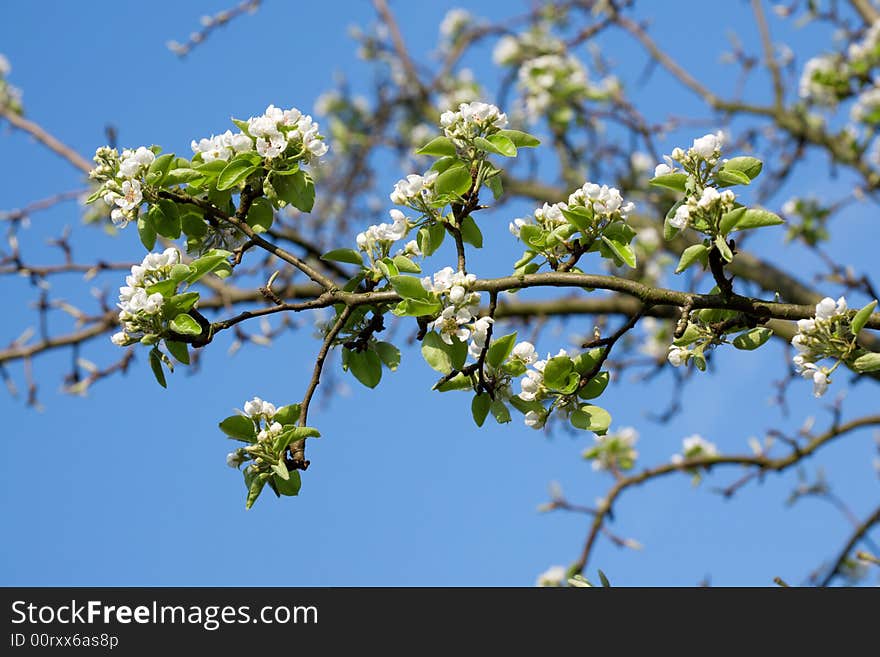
(350, 256)
(455, 181)
(179, 350)
(674, 181)
(520, 139)
(623, 251)
(752, 339)
(260, 215)
(691, 255)
(235, 173)
(366, 367)
(591, 418)
(594, 387)
(410, 287)
(146, 231)
(861, 318)
(291, 486)
(185, 325)
(470, 232)
(500, 349)
(500, 412)
(239, 427)
(435, 353)
(867, 362)
(389, 354)
(480, 408)
(156, 366)
(438, 147)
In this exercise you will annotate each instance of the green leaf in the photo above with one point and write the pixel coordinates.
(520, 139)
(156, 366)
(494, 183)
(165, 288)
(750, 166)
(867, 362)
(435, 352)
(470, 232)
(254, 490)
(500, 349)
(438, 147)
(235, 173)
(556, 372)
(676, 181)
(193, 223)
(366, 367)
(158, 169)
(298, 190)
(594, 387)
(499, 144)
(301, 433)
(291, 486)
(670, 231)
(406, 265)
(586, 361)
(480, 408)
(756, 218)
(861, 318)
(410, 287)
(146, 231)
(500, 412)
(430, 238)
(165, 218)
(458, 382)
(350, 256)
(455, 181)
(579, 217)
(730, 219)
(415, 308)
(532, 236)
(727, 178)
(591, 418)
(604, 580)
(179, 303)
(280, 470)
(389, 354)
(181, 175)
(239, 427)
(179, 350)
(260, 215)
(212, 260)
(723, 248)
(287, 414)
(623, 251)
(752, 339)
(185, 325)
(692, 255)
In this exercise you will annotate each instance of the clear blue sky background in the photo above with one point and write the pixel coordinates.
(129, 486)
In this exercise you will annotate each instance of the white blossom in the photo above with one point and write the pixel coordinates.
(677, 356)
(525, 351)
(256, 408)
(534, 420)
(553, 576)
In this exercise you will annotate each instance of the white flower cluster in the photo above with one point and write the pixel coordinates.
(276, 132)
(711, 202)
(706, 148)
(454, 23)
(460, 305)
(559, 80)
(262, 413)
(866, 52)
(139, 310)
(222, 147)
(415, 191)
(121, 177)
(822, 79)
(695, 446)
(472, 120)
(532, 383)
(513, 49)
(605, 203)
(614, 451)
(866, 109)
(385, 233)
(815, 339)
(554, 576)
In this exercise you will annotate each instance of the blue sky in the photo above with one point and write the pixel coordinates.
(129, 486)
